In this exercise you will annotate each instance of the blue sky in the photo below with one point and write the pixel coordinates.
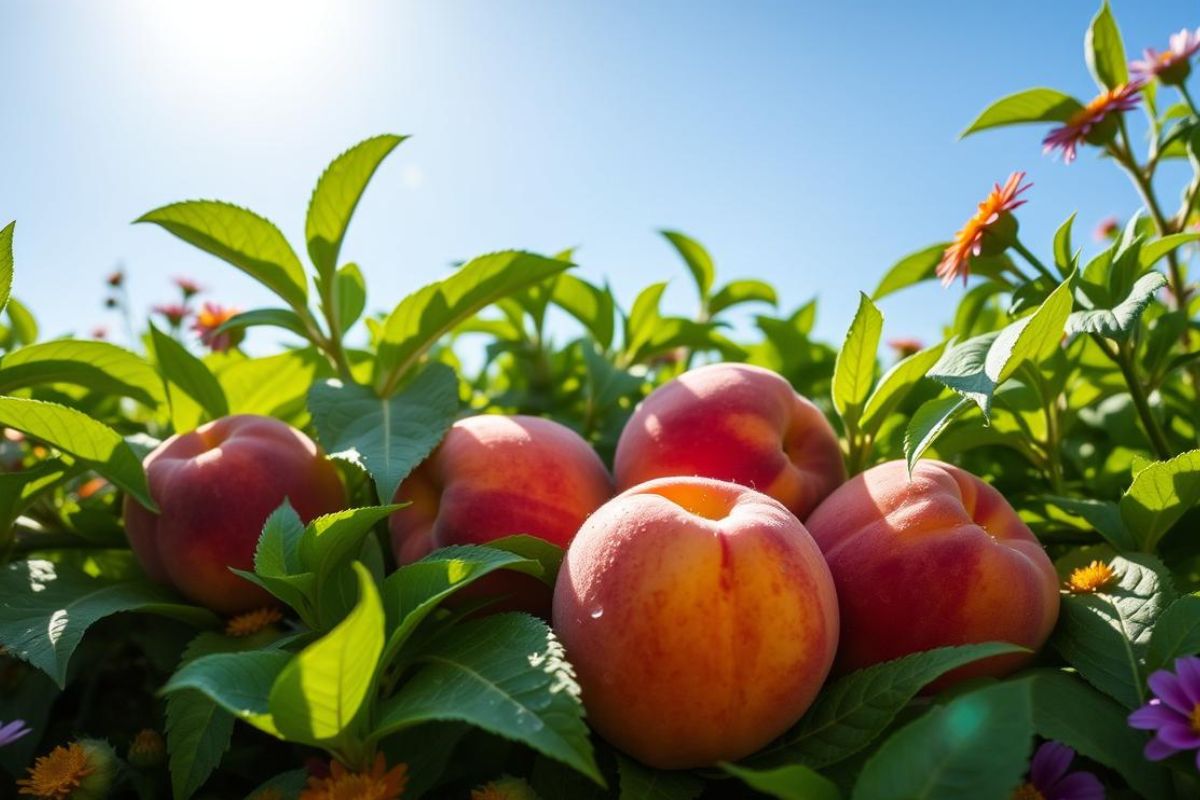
(810, 144)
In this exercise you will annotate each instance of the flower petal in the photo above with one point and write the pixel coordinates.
(1188, 670)
(1157, 750)
(1154, 715)
(1076, 786)
(1169, 689)
(1050, 762)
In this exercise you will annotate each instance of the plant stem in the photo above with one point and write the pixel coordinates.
(1123, 357)
(1187, 98)
(1033, 260)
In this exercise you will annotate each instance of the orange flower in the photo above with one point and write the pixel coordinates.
(905, 346)
(80, 769)
(504, 788)
(380, 783)
(1088, 123)
(252, 622)
(1090, 579)
(992, 220)
(209, 319)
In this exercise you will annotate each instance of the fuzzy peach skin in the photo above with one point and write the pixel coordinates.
(938, 560)
(733, 422)
(215, 487)
(700, 618)
(495, 476)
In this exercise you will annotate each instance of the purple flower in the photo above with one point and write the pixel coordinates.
(1049, 779)
(12, 731)
(1174, 713)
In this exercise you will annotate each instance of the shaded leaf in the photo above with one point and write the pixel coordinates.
(896, 384)
(98, 366)
(928, 423)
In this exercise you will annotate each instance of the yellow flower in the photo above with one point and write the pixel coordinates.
(1092, 578)
(81, 770)
(380, 783)
(252, 622)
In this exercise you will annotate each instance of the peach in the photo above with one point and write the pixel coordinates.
(215, 487)
(700, 618)
(938, 560)
(733, 422)
(495, 476)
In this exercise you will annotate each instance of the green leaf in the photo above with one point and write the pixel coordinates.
(853, 710)
(24, 326)
(1121, 320)
(90, 442)
(896, 384)
(1067, 710)
(1177, 633)
(506, 674)
(46, 608)
(320, 692)
(644, 318)
(792, 782)
(335, 197)
(6, 262)
(386, 437)
(198, 735)
(854, 369)
(1063, 257)
(19, 489)
(423, 317)
(592, 306)
(698, 261)
(1159, 495)
(1105, 634)
(278, 549)
(1032, 105)
(98, 366)
(413, 591)
(639, 782)
(1034, 338)
(274, 386)
(240, 237)
(548, 555)
(1104, 51)
(928, 423)
(976, 746)
(265, 317)
(913, 268)
(1103, 516)
(184, 373)
(1151, 252)
(349, 296)
(240, 683)
(742, 291)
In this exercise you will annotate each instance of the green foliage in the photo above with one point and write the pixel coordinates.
(1159, 495)
(1032, 105)
(1104, 52)
(1176, 633)
(194, 392)
(794, 782)
(98, 366)
(6, 262)
(639, 782)
(854, 369)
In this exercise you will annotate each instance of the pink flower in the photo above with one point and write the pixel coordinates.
(209, 319)
(905, 346)
(189, 287)
(99, 332)
(1174, 712)
(991, 220)
(1106, 229)
(115, 279)
(1087, 124)
(1173, 64)
(173, 313)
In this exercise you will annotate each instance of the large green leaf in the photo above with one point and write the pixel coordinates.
(321, 691)
(283, 318)
(335, 197)
(1104, 51)
(976, 746)
(1105, 635)
(413, 591)
(427, 314)
(388, 437)
(78, 435)
(928, 423)
(896, 384)
(98, 366)
(1121, 320)
(1030, 105)
(1151, 252)
(741, 291)
(46, 608)
(792, 782)
(698, 261)
(639, 782)
(6, 262)
(274, 386)
(852, 711)
(854, 369)
(913, 268)
(1175, 634)
(240, 683)
(327, 548)
(1159, 495)
(506, 674)
(592, 306)
(186, 374)
(241, 237)
(1067, 710)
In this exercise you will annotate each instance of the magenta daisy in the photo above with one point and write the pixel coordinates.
(1087, 124)
(1049, 778)
(1174, 712)
(1172, 65)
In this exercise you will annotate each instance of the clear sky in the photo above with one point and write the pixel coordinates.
(808, 143)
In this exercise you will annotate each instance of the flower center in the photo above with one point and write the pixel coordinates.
(1027, 791)
(1194, 718)
(1092, 578)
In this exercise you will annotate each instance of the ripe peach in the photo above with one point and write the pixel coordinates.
(215, 487)
(738, 423)
(700, 618)
(495, 476)
(938, 560)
